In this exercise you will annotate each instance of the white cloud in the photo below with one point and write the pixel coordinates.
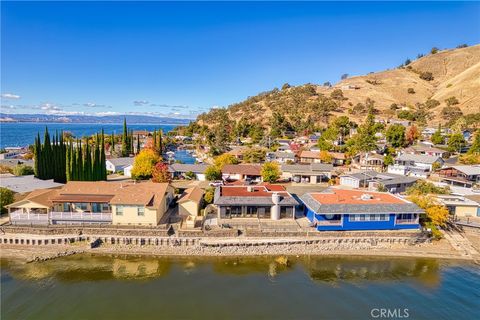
(10, 96)
(140, 102)
(94, 105)
(107, 113)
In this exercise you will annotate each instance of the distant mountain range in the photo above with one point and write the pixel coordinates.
(4, 117)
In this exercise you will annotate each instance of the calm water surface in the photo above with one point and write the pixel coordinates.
(95, 287)
(23, 133)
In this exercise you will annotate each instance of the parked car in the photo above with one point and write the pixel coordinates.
(217, 183)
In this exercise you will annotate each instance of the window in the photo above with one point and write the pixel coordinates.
(119, 210)
(140, 211)
(66, 207)
(81, 206)
(105, 207)
(368, 217)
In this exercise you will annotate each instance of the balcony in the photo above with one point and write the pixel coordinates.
(18, 217)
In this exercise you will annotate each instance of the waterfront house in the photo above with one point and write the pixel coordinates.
(459, 206)
(33, 208)
(242, 172)
(337, 209)
(119, 203)
(418, 165)
(119, 164)
(262, 202)
(179, 170)
(307, 173)
(373, 180)
(464, 176)
(190, 202)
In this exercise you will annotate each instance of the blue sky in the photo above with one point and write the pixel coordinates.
(180, 59)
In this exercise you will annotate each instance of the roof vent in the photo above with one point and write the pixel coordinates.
(366, 196)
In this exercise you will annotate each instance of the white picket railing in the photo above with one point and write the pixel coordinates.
(21, 217)
(81, 216)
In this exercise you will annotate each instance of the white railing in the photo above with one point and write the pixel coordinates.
(81, 216)
(20, 217)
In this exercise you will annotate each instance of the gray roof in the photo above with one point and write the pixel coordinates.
(383, 177)
(279, 154)
(307, 168)
(183, 167)
(468, 170)
(122, 162)
(26, 183)
(316, 206)
(421, 158)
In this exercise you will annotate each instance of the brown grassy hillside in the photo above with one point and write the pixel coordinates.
(456, 73)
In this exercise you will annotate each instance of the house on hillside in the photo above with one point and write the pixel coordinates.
(307, 173)
(337, 209)
(250, 172)
(368, 161)
(463, 175)
(259, 202)
(417, 165)
(99, 202)
(426, 149)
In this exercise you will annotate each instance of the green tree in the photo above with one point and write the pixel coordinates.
(270, 172)
(254, 155)
(22, 170)
(426, 75)
(213, 173)
(125, 143)
(437, 137)
(475, 148)
(388, 160)
(6, 198)
(396, 135)
(209, 195)
(451, 101)
(456, 142)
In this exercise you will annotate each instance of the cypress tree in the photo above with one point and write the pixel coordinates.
(68, 164)
(47, 156)
(73, 163)
(87, 165)
(37, 154)
(112, 142)
(80, 176)
(160, 142)
(138, 143)
(125, 139)
(155, 138)
(103, 168)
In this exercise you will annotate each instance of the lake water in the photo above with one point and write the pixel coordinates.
(107, 287)
(24, 133)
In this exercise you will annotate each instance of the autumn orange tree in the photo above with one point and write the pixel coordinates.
(160, 173)
(144, 163)
(412, 134)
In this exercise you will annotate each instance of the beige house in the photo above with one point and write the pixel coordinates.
(190, 202)
(36, 201)
(119, 203)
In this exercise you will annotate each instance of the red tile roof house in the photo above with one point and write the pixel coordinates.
(338, 209)
(261, 202)
(242, 172)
